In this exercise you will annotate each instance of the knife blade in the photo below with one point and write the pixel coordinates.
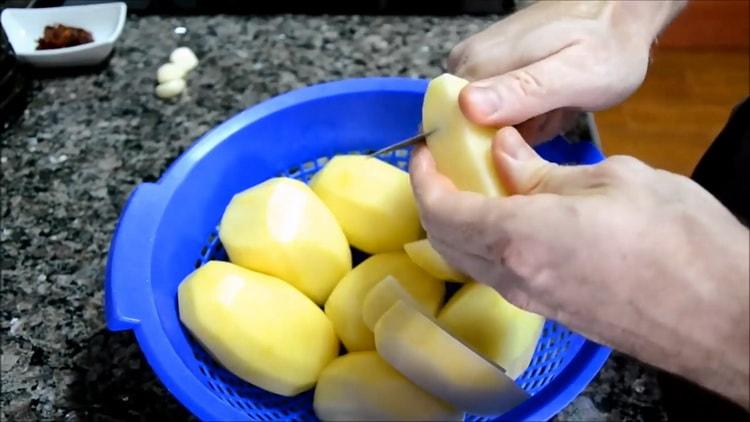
(403, 144)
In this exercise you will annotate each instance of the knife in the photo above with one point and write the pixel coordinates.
(403, 144)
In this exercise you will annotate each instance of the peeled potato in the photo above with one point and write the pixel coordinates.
(462, 149)
(430, 357)
(281, 228)
(344, 305)
(389, 291)
(361, 386)
(424, 255)
(372, 200)
(462, 152)
(482, 318)
(259, 327)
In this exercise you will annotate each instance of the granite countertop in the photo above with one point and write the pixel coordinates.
(88, 137)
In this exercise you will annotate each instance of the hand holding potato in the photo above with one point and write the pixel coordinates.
(640, 259)
(542, 65)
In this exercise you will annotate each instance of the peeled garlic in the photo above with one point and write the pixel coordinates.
(169, 72)
(170, 88)
(171, 76)
(184, 57)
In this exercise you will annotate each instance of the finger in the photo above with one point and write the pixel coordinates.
(478, 225)
(511, 43)
(523, 171)
(545, 127)
(462, 259)
(487, 271)
(446, 212)
(477, 59)
(519, 95)
(427, 182)
(488, 41)
(434, 192)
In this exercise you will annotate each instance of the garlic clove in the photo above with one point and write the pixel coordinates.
(184, 56)
(170, 89)
(170, 71)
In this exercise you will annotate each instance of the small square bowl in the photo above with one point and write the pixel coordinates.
(24, 27)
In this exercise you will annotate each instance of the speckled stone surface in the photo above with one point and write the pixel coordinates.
(88, 138)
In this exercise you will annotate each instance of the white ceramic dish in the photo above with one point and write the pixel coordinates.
(24, 27)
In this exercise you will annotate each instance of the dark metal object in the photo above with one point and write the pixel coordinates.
(403, 144)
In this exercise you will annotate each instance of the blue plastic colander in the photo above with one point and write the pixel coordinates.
(168, 229)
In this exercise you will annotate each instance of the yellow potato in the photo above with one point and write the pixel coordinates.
(462, 149)
(281, 228)
(482, 318)
(431, 358)
(344, 305)
(389, 291)
(372, 201)
(462, 152)
(259, 327)
(361, 386)
(424, 255)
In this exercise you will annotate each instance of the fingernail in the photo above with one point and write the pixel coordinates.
(485, 100)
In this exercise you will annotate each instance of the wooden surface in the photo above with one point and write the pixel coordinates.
(710, 24)
(680, 108)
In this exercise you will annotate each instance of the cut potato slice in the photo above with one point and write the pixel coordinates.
(424, 255)
(462, 149)
(372, 200)
(389, 291)
(344, 306)
(259, 327)
(361, 386)
(433, 359)
(482, 318)
(281, 228)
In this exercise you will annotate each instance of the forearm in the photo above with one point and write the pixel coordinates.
(688, 301)
(722, 361)
(702, 332)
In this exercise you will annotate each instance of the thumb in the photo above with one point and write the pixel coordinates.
(522, 171)
(517, 96)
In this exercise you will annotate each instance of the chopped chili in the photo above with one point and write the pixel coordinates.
(60, 36)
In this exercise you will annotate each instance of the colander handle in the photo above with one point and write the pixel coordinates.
(128, 273)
